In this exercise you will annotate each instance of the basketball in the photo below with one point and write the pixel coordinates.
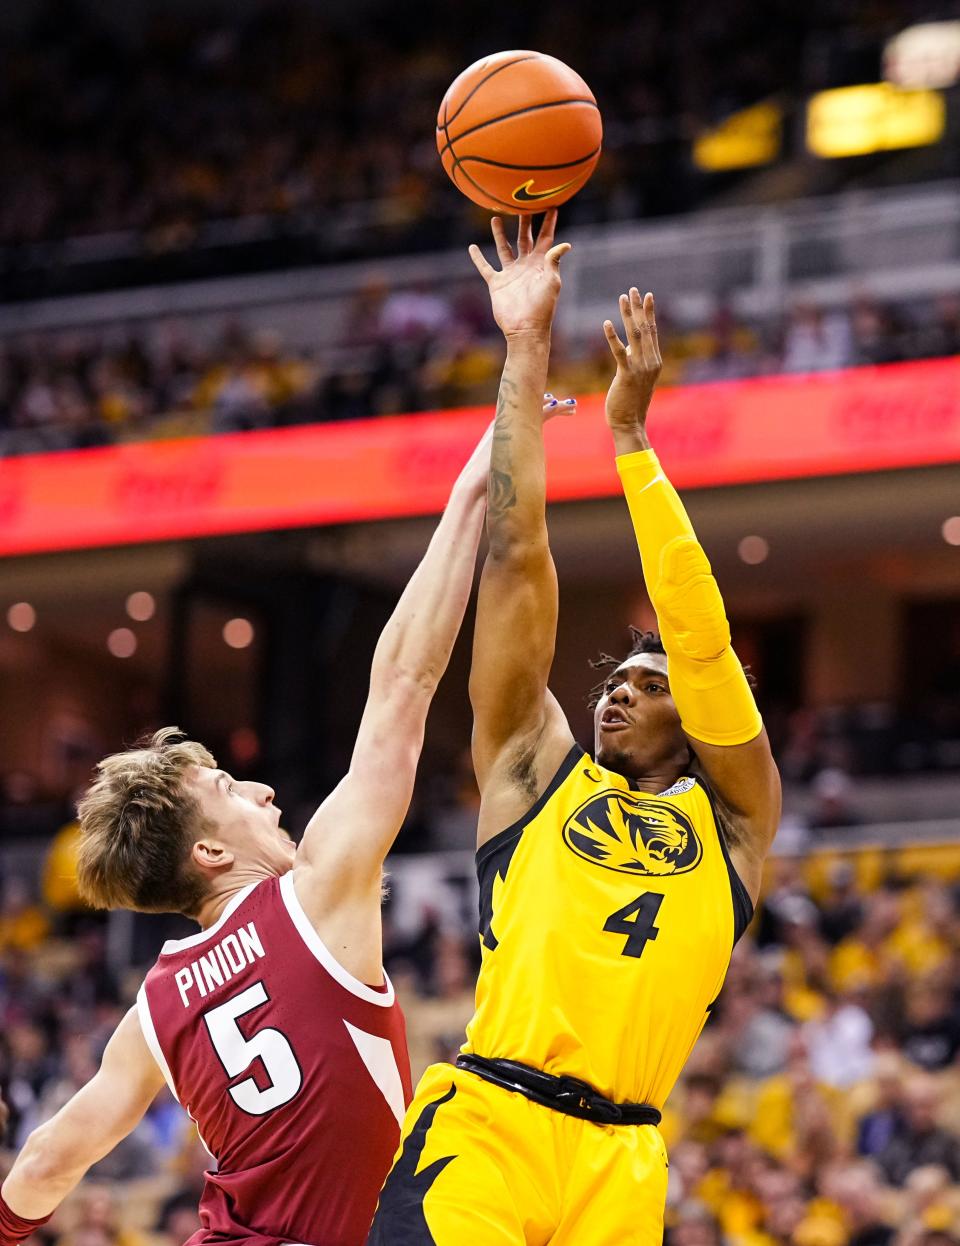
(519, 132)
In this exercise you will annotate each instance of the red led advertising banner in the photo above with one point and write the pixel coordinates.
(728, 433)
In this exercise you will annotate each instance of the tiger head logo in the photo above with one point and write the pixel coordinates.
(633, 834)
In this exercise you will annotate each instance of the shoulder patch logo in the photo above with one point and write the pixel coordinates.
(633, 834)
(681, 786)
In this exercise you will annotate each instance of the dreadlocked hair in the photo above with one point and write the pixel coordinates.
(641, 642)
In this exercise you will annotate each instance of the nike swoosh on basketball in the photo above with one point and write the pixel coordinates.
(523, 194)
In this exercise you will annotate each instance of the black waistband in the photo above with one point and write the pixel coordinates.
(562, 1094)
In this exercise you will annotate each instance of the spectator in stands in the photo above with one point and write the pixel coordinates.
(796, 1114)
(787, 901)
(801, 753)
(177, 1217)
(416, 313)
(701, 1093)
(940, 335)
(815, 341)
(23, 924)
(925, 935)
(61, 894)
(920, 1138)
(859, 1194)
(866, 958)
(835, 803)
(931, 1204)
(30, 1063)
(97, 1220)
(347, 394)
(841, 910)
(695, 1227)
(402, 350)
(784, 1206)
(763, 1031)
(78, 1066)
(878, 334)
(435, 1026)
(689, 1164)
(454, 808)
(882, 1121)
(726, 350)
(839, 1042)
(931, 1030)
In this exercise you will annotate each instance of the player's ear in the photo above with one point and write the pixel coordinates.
(211, 854)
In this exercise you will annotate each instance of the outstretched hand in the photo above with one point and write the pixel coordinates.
(523, 293)
(478, 466)
(638, 362)
(558, 406)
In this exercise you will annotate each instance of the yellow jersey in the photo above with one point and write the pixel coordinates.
(607, 920)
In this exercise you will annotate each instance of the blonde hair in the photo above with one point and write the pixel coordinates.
(138, 822)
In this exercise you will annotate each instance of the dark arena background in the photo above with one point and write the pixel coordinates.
(243, 354)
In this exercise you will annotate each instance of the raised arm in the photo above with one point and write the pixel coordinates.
(59, 1152)
(520, 735)
(347, 839)
(708, 684)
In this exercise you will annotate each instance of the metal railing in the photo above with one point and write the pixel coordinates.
(903, 244)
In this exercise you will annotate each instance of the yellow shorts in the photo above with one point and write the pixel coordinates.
(482, 1166)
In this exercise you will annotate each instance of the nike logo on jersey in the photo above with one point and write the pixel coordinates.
(590, 775)
(524, 194)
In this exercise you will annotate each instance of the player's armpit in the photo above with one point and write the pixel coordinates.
(746, 780)
(89, 1126)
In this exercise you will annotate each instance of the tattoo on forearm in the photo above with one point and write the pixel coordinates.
(501, 491)
(501, 494)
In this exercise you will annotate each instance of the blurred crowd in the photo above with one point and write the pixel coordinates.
(876, 738)
(314, 126)
(400, 351)
(821, 1106)
(287, 109)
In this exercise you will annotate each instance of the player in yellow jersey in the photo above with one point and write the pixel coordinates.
(612, 887)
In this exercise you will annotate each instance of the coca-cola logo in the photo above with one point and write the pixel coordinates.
(426, 460)
(895, 413)
(11, 499)
(155, 490)
(695, 432)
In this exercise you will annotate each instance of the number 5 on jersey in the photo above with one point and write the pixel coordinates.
(237, 1053)
(636, 921)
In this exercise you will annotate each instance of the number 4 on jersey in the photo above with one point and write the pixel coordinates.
(635, 920)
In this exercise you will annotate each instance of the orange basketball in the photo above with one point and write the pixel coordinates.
(519, 132)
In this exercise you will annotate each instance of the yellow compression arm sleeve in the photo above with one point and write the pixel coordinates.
(707, 681)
